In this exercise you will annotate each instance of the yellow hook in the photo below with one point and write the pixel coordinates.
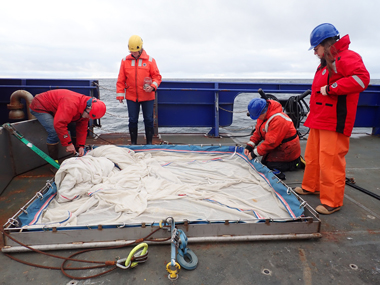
(133, 251)
(173, 273)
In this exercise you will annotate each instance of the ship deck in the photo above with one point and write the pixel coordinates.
(347, 253)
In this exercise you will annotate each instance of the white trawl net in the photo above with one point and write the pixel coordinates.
(118, 185)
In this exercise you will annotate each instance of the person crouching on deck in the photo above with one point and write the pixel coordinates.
(338, 81)
(56, 109)
(280, 146)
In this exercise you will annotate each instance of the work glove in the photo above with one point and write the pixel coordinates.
(252, 155)
(249, 148)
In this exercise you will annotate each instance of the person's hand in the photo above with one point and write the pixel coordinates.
(81, 151)
(119, 98)
(323, 90)
(148, 89)
(248, 149)
(71, 148)
(252, 155)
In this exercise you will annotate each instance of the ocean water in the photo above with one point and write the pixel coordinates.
(116, 118)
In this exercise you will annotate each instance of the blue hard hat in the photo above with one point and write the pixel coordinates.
(322, 32)
(255, 107)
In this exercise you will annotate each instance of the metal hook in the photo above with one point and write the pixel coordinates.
(39, 195)
(13, 222)
(303, 204)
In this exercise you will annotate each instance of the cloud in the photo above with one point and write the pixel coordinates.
(188, 39)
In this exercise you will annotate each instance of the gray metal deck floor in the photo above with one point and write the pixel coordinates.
(348, 252)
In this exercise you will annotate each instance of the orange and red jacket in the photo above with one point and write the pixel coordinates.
(131, 77)
(66, 106)
(273, 130)
(337, 111)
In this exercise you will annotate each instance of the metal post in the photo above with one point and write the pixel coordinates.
(155, 115)
(216, 126)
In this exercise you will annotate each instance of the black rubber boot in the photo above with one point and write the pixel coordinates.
(279, 174)
(301, 164)
(149, 135)
(133, 135)
(53, 153)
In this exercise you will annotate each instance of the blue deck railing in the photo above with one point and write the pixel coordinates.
(204, 104)
(193, 103)
(36, 86)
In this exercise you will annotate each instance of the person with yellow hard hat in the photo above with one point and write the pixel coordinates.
(137, 82)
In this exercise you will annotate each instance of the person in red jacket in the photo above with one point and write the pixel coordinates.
(339, 79)
(137, 82)
(280, 146)
(56, 109)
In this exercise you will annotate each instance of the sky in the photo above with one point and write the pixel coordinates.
(264, 39)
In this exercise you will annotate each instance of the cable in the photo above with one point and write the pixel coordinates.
(244, 111)
(297, 110)
(98, 137)
(351, 182)
(102, 264)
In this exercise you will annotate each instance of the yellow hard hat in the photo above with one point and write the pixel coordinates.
(135, 43)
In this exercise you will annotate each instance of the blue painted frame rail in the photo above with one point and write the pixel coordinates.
(204, 104)
(87, 87)
(193, 103)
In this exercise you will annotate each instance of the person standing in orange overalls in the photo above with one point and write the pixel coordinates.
(137, 82)
(338, 81)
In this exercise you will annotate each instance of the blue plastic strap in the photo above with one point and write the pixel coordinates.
(183, 245)
(186, 257)
(192, 262)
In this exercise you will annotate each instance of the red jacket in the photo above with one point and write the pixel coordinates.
(66, 106)
(132, 72)
(337, 111)
(273, 130)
